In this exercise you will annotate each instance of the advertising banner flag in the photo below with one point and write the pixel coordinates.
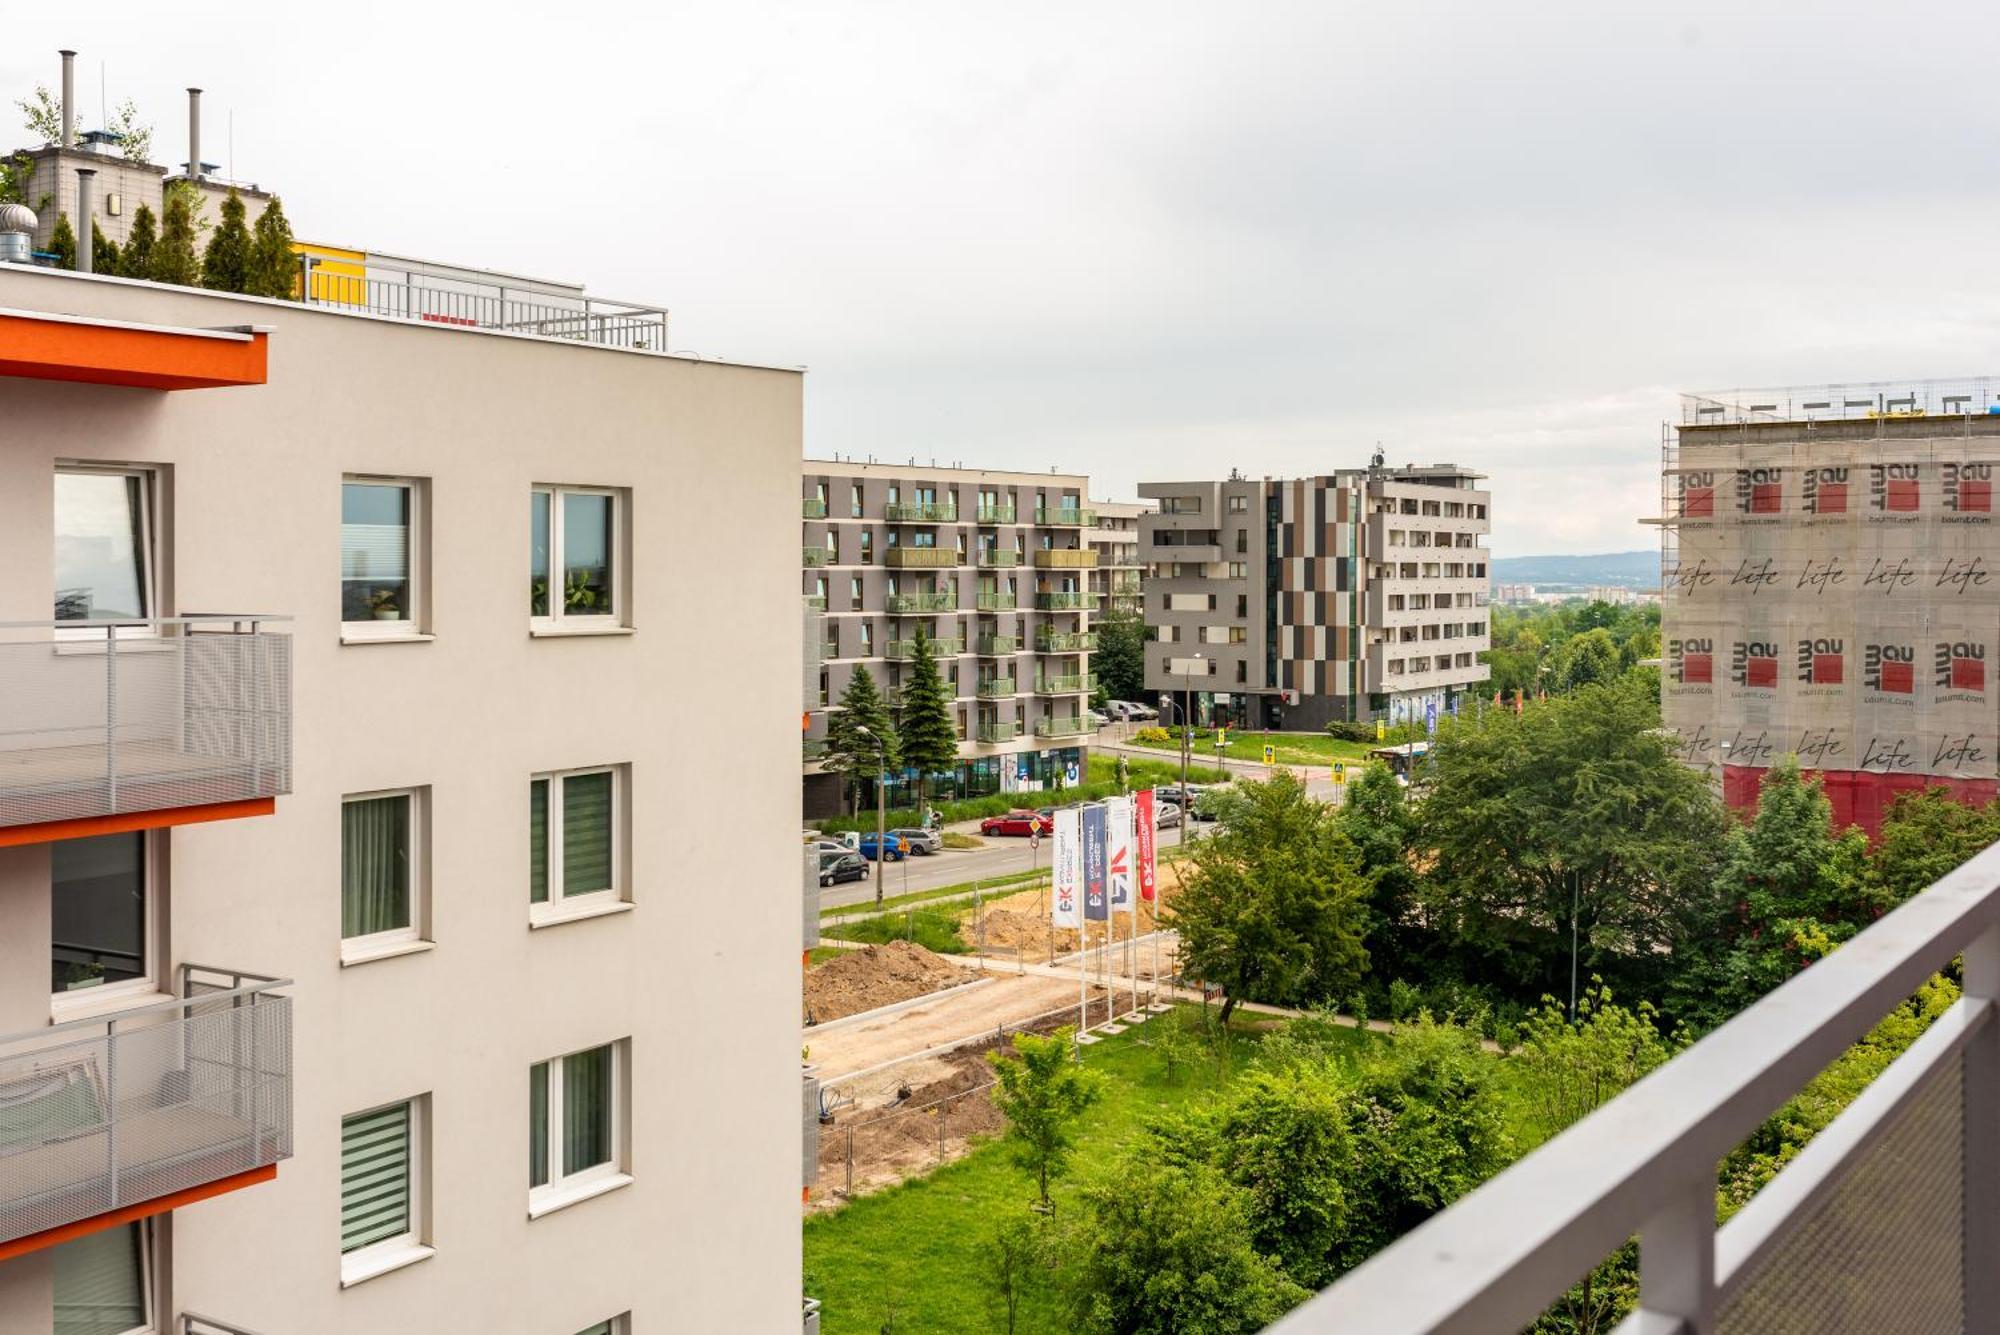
(1066, 869)
(1142, 833)
(1118, 852)
(1096, 901)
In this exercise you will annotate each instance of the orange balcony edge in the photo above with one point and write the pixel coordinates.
(40, 346)
(97, 1223)
(82, 827)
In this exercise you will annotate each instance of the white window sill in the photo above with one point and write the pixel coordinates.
(550, 1200)
(352, 955)
(348, 636)
(90, 1002)
(540, 917)
(544, 630)
(368, 1263)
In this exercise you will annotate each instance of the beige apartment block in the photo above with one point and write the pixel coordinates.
(379, 950)
(995, 569)
(1120, 575)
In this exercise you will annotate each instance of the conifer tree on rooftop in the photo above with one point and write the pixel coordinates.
(173, 258)
(103, 252)
(274, 266)
(137, 258)
(62, 243)
(226, 266)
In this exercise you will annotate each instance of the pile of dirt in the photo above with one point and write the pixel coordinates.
(1020, 922)
(861, 980)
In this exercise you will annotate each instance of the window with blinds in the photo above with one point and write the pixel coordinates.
(574, 837)
(572, 1120)
(374, 1177)
(102, 1283)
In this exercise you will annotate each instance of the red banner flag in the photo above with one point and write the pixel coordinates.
(1142, 829)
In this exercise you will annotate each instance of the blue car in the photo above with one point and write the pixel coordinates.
(894, 844)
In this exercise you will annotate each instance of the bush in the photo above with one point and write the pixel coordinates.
(1151, 735)
(1343, 731)
(1404, 1001)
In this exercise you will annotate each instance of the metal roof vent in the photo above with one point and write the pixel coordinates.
(17, 226)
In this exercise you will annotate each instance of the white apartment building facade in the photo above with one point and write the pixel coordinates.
(360, 901)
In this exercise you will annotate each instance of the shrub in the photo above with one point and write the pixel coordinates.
(1404, 1001)
(1151, 735)
(1344, 731)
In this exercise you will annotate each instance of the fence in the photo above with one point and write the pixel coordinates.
(434, 299)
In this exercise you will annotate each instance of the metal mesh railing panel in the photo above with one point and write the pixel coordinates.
(115, 725)
(1881, 1249)
(95, 1123)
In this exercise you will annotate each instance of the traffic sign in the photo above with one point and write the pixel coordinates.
(1339, 772)
(1270, 754)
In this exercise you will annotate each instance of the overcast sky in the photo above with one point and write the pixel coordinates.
(1150, 240)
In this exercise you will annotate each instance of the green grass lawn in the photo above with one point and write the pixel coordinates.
(917, 1252)
(1314, 749)
(1005, 883)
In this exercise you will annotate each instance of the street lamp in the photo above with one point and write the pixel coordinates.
(1187, 741)
(881, 806)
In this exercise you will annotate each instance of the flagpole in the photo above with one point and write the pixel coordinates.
(1132, 899)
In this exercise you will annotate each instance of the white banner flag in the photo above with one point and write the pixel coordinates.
(1119, 854)
(1066, 868)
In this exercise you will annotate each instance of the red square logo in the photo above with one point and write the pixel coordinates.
(1698, 669)
(1828, 669)
(1760, 672)
(1975, 496)
(1897, 678)
(1699, 503)
(1766, 497)
(1832, 499)
(1968, 674)
(1900, 494)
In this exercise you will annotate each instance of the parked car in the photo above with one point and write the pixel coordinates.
(828, 847)
(1097, 720)
(1129, 712)
(921, 842)
(842, 868)
(893, 849)
(1166, 814)
(1019, 822)
(1178, 795)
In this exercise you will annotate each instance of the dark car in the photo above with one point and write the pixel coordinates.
(843, 867)
(1019, 822)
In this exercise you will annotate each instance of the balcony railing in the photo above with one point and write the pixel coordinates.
(921, 512)
(1066, 683)
(997, 646)
(109, 1113)
(1076, 601)
(997, 602)
(999, 558)
(1065, 558)
(812, 509)
(921, 558)
(904, 604)
(996, 514)
(996, 732)
(1884, 1221)
(193, 1324)
(816, 602)
(430, 298)
(1064, 727)
(997, 688)
(813, 748)
(816, 556)
(1066, 517)
(112, 718)
(904, 650)
(1066, 642)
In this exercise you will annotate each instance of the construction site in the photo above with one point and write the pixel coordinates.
(1829, 589)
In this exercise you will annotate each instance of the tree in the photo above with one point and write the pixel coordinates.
(137, 259)
(1014, 1260)
(225, 266)
(1588, 659)
(1043, 1094)
(1275, 905)
(173, 257)
(1565, 839)
(41, 113)
(1924, 836)
(1377, 820)
(274, 266)
(1168, 1250)
(927, 737)
(103, 253)
(135, 138)
(848, 752)
(1572, 1066)
(1120, 657)
(15, 170)
(62, 242)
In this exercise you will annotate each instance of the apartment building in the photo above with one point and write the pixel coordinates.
(373, 956)
(1120, 575)
(1359, 594)
(1828, 589)
(994, 568)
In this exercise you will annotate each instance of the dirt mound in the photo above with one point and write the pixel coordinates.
(875, 976)
(1020, 922)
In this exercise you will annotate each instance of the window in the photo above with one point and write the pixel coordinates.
(868, 546)
(1238, 504)
(854, 500)
(1243, 540)
(854, 592)
(1242, 670)
(867, 639)
(381, 1190)
(581, 526)
(103, 1282)
(1242, 604)
(574, 841)
(1238, 569)
(574, 1125)
(101, 915)
(378, 555)
(104, 544)
(381, 874)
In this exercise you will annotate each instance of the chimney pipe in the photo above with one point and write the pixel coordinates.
(86, 232)
(194, 134)
(68, 99)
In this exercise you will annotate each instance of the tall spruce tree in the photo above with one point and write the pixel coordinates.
(62, 242)
(850, 754)
(929, 741)
(226, 265)
(173, 259)
(274, 268)
(1120, 660)
(103, 251)
(137, 259)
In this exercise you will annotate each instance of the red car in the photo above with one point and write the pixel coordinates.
(1022, 823)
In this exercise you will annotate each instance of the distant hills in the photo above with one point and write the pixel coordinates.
(1627, 570)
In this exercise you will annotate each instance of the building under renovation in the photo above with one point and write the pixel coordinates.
(1830, 589)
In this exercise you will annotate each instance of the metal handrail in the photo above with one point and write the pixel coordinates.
(125, 1013)
(194, 1323)
(136, 623)
(1644, 1163)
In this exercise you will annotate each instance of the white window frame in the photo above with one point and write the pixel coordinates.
(558, 616)
(561, 908)
(560, 1190)
(400, 940)
(149, 548)
(128, 991)
(407, 1248)
(412, 626)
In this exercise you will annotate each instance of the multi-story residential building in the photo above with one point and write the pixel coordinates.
(358, 837)
(1359, 594)
(994, 568)
(1829, 591)
(1120, 572)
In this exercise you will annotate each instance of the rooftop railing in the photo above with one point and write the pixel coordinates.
(1885, 1221)
(1863, 399)
(106, 718)
(434, 299)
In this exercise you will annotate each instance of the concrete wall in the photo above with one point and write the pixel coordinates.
(701, 976)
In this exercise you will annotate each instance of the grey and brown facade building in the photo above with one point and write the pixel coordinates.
(1358, 594)
(1120, 574)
